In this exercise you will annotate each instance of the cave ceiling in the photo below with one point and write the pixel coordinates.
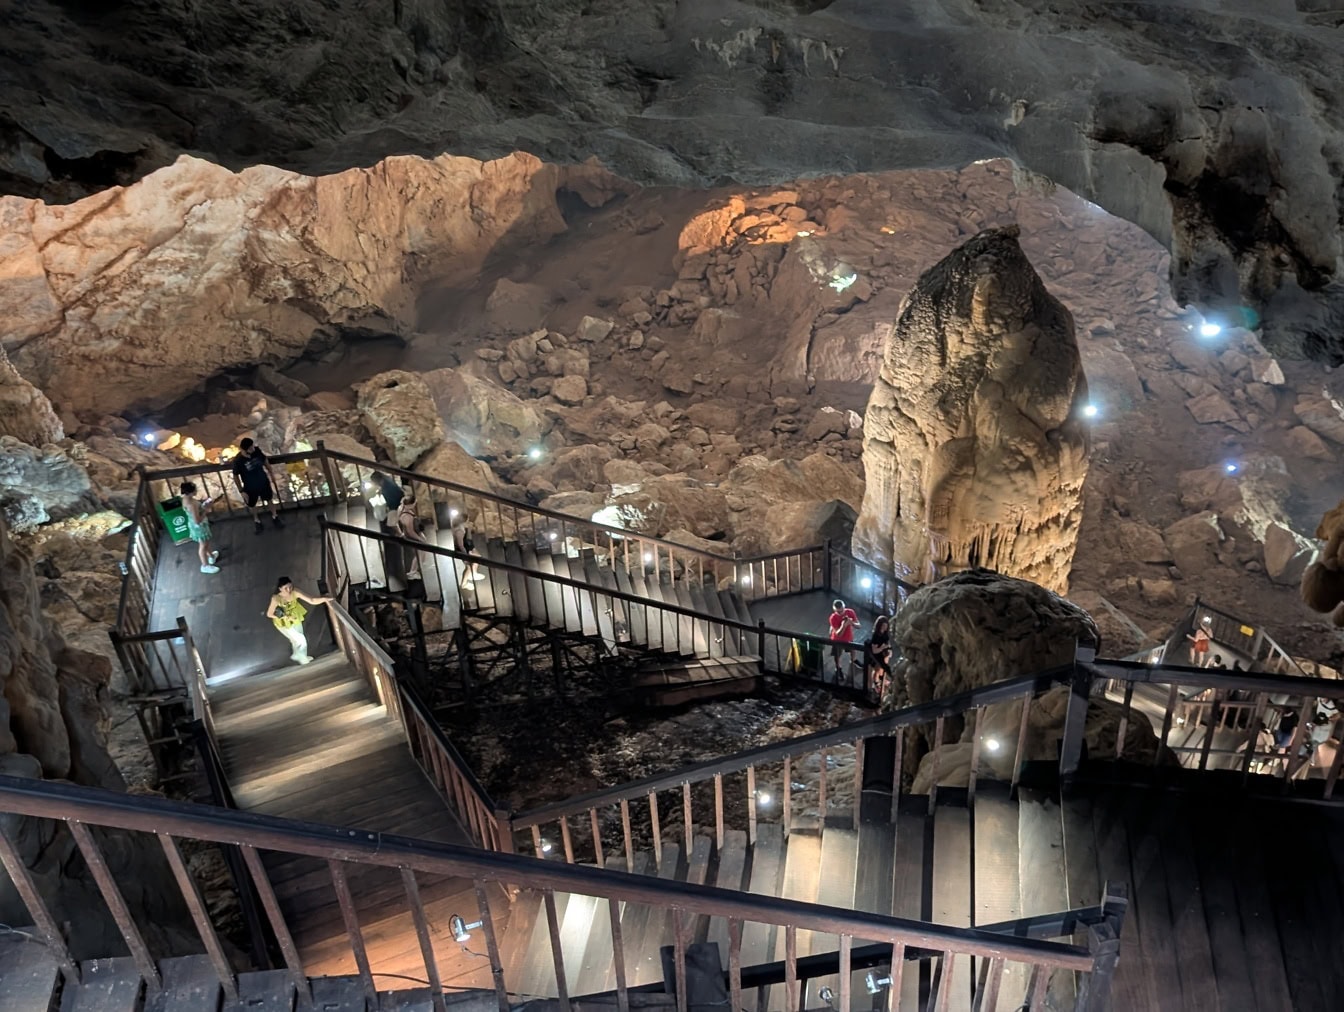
(1213, 124)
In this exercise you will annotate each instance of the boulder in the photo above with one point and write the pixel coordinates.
(974, 446)
(1120, 637)
(1194, 543)
(450, 462)
(400, 414)
(37, 485)
(1212, 407)
(515, 308)
(1322, 414)
(1306, 443)
(715, 416)
(1286, 555)
(580, 467)
(570, 389)
(483, 415)
(1267, 370)
(593, 329)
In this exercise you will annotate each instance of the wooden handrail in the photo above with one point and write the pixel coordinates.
(70, 803)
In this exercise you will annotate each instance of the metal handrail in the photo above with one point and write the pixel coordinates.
(142, 813)
(869, 727)
(561, 581)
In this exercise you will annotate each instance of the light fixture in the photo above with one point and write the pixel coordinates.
(874, 983)
(545, 846)
(461, 929)
(1090, 411)
(121, 567)
(866, 582)
(991, 744)
(535, 453)
(147, 438)
(1230, 467)
(763, 797)
(368, 485)
(1210, 329)
(648, 556)
(746, 580)
(827, 995)
(552, 535)
(452, 514)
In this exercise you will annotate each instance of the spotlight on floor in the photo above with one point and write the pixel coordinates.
(1210, 329)
(1090, 411)
(461, 929)
(991, 744)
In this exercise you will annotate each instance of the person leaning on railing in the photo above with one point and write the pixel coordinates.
(286, 612)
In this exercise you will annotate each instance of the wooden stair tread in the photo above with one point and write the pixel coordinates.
(28, 973)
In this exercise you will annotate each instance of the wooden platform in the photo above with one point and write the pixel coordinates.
(226, 611)
(312, 743)
(1235, 905)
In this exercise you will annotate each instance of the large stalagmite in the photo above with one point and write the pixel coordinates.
(974, 448)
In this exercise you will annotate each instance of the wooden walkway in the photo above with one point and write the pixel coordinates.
(1236, 904)
(226, 610)
(313, 744)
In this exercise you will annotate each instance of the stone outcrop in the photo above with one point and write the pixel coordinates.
(398, 410)
(53, 722)
(1212, 123)
(974, 446)
(133, 296)
(976, 628)
(25, 412)
(1323, 580)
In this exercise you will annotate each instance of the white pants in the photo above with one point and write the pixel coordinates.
(297, 640)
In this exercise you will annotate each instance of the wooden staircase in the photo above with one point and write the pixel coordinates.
(683, 654)
(958, 866)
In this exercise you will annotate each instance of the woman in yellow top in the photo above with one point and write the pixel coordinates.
(287, 612)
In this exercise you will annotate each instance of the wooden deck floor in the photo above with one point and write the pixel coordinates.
(313, 744)
(1235, 904)
(226, 610)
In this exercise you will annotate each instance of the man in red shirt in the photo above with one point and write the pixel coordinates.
(843, 621)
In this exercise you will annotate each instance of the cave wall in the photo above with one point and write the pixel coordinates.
(974, 448)
(1215, 124)
(132, 296)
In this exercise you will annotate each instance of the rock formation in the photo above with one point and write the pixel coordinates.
(974, 446)
(976, 628)
(133, 296)
(1323, 581)
(1212, 123)
(53, 722)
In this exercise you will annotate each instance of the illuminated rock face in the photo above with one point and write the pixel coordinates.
(974, 448)
(131, 297)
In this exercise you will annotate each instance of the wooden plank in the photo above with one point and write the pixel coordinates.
(264, 991)
(189, 982)
(1134, 979)
(635, 918)
(339, 994)
(908, 888)
(767, 865)
(836, 884)
(952, 885)
(730, 874)
(1216, 853)
(996, 878)
(1188, 924)
(28, 973)
(106, 985)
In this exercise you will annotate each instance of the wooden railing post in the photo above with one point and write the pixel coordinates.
(760, 645)
(826, 564)
(1075, 717)
(325, 461)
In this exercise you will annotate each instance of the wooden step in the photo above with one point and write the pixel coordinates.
(952, 887)
(636, 614)
(802, 861)
(635, 918)
(280, 684)
(996, 857)
(189, 982)
(730, 874)
(28, 973)
(106, 985)
(835, 888)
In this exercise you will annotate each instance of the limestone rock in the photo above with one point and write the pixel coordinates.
(399, 411)
(483, 415)
(1120, 637)
(450, 462)
(1267, 370)
(1306, 443)
(976, 627)
(132, 297)
(25, 412)
(1323, 415)
(593, 329)
(570, 389)
(715, 416)
(1212, 407)
(39, 484)
(973, 449)
(1194, 542)
(517, 308)
(1286, 555)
